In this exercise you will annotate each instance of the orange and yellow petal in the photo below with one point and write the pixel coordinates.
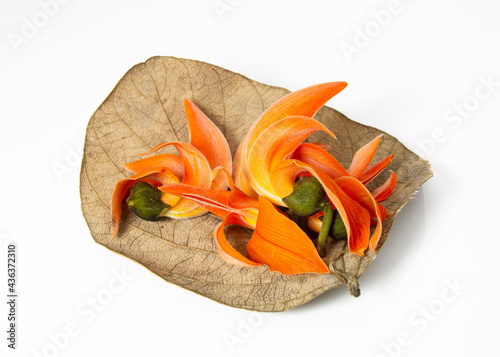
(304, 102)
(363, 157)
(274, 145)
(314, 223)
(240, 179)
(316, 156)
(372, 172)
(226, 250)
(359, 193)
(207, 137)
(280, 244)
(217, 201)
(383, 192)
(157, 162)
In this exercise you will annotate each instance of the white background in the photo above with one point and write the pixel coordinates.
(417, 74)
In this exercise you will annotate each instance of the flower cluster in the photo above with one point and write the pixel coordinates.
(272, 167)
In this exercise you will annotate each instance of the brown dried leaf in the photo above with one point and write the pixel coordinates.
(144, 109)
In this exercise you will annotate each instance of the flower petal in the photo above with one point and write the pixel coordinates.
(276, 144)
(383, 192)
(383, 212)
(314, 223)
(172, 162)
(226, 250)
(240, 179)
(304, 102)
(218, 202)
(207, 137)
(280, 244)
(363, 157)
(372, 172)
(237, 199)
(359, 193)
(316, 156)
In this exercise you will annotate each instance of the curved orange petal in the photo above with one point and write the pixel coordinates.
(359, 193)
(237, 199)
(165, 176)
(207, 137)
(372, 172)
(383, 212)
(304, 102)
(356, 218)
(280, 244)
(383, 192)
(318, 157)
(218, 202)
(172, 162)
(314, 222)
(226, 250)
(240, 179)
(196, 173)
(276, 144)
(325, 147)
(362, 158)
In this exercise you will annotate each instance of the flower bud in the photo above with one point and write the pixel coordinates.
(307, 198)
(145, 201)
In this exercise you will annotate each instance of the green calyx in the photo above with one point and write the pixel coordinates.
(307, 198)
(145, 201)
(338, 230)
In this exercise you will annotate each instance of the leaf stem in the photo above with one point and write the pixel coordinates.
(325, 229)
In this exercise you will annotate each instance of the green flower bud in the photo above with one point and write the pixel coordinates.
(307, 198)
(338, 230)
(145, 201)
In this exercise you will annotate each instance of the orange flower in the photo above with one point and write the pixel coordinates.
(207, 150)
(276, 241)
(268, 161)
(351, 181)
(304, 102)
(271, 157)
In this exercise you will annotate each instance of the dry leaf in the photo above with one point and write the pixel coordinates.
(146, 108)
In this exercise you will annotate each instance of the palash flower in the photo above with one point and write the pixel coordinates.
(352, 179)
(271, 157)
(304, 102)
(266, 167)
(207, 150)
